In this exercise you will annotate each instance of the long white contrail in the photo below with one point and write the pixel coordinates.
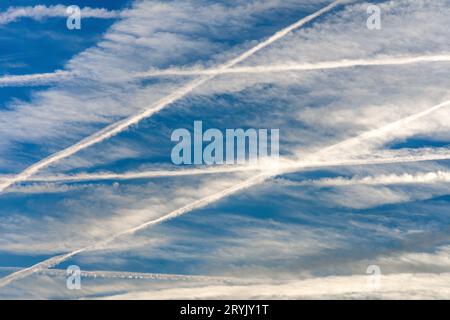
(144, 174)
(44, 78)
(119, 126)
(347, 63)
(257, 179)
(234, 169)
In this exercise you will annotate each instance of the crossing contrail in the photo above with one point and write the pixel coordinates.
(255, 180)
(445, 155)
(44, 78)
(386, 61)
(120, 126)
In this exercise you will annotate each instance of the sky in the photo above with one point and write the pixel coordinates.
(87, 179)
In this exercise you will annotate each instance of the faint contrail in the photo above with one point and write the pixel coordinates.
(259, 178)
(119, 126)
(34, 79)
(232, 169)
(43, 78)
(384, 179)
(385, 61)
(138, 275)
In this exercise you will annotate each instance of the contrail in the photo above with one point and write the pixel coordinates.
(233, 169)
(35, 79)
(43, 78)
(144, 174)
(257, 179)
(119, 126)
(137, 275)
(384, 129)
(388, 61)
(384, 179)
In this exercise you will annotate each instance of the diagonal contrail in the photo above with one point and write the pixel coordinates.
(379, 132)
(119, 126)
(257, 179)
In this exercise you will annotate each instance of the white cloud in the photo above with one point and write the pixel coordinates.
(40, 12)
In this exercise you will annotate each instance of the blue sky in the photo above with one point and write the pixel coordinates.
(287, 235)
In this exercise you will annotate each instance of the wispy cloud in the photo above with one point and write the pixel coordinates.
(396, 286)
(40, 12)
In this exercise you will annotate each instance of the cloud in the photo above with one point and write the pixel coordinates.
(40, 12)
(418, 178)
(401, 286)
